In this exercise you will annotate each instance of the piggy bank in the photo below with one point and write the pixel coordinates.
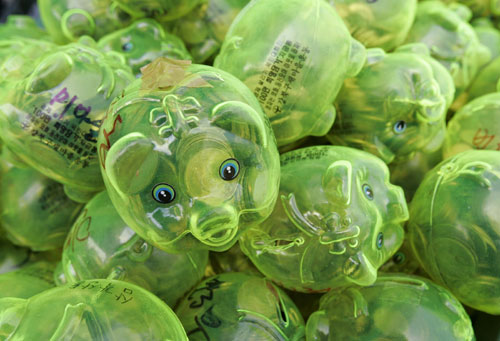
(11, 257)
(203, 30)
(474, 126)
(101, 245)
(235, 306)
(67, 20)
(232, 260)
(395, 106)
(27, 281)
(337, 220)
(395, 307)
(454, 227)
(142, 42)
(51, 118)
(35, 211)
(451, 40)
(21, 26)
(383, 23)
(281, 51)
(163, 10)
(90, 310)
(188, 157)
(480, 8)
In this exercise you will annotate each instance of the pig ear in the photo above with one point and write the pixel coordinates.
(337, 182)
(76, 23)
(131, 163)
(243, 121)
(357, 58)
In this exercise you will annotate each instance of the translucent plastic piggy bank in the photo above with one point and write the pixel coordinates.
(480, 8)
(337, 220)
(101, 245)
(454, 227)
(142, 42)
(203, 30)
(51, 118)
(90, 310)
(382, 23)
(21, 26)
(35, 211)
(11, 257)
(395, 307)
(163, 10)
(27, 281)
(395, 106)
(235, 306)
(281, 50)
(475, 126)
(451, 40)
(188, 157)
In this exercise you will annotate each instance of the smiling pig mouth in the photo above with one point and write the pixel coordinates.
(216, 231)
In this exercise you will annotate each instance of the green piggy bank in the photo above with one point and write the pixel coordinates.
(27, 281)
(337, 220)
(188, 157)
(162, 10)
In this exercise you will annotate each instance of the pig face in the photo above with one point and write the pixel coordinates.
(51, 118)
(395, 106)
(143, 42)
(163, 10)
(193, 165)
(101, 245)
(338, 220)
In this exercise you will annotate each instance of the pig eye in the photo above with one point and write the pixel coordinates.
(399, 127)
(399, 258)
(127, 47)
(229, 169)
(380, 240)
(367, 190)
(163, 193)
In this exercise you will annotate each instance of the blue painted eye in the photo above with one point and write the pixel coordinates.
(127, 46)
(380, 240)
(229, 169)
(163, 193)
(367, 190)
(399, 127)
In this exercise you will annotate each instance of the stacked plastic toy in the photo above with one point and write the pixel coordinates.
(250, 170)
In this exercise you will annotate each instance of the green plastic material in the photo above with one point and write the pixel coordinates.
(21, 26)
(396, 307)
(101, 245)
(232, 260)
(475, 126)
(51, 117)
(68, 20)
(11, 257)
(395, 106)
(90, 310)
(454, 227)
(383, 23)
(451, 40)
(35, 211)
(163, 10)
(142, 42)
(337, 220)
(203, 30)
(480, 8)
(188, 157)
(237, 306)
(294, 56)
(25, 282)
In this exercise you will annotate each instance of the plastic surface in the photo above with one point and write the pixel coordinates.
(203, 30)
(90, 310)
(396, 105)
(35, 211)
(163, 10)
(101, 245)
(475, 126)
(142, 42)
(395, 307)
(11, 257)
(232, 260)
(21, 26)
(68, 20)
(27, 281)
(337, 220)
(382, 23)
(51, 117)
(454, 227)
(189, 158)
(235, 306)
(294, 56)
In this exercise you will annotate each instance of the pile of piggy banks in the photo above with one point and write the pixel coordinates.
(250, 170)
